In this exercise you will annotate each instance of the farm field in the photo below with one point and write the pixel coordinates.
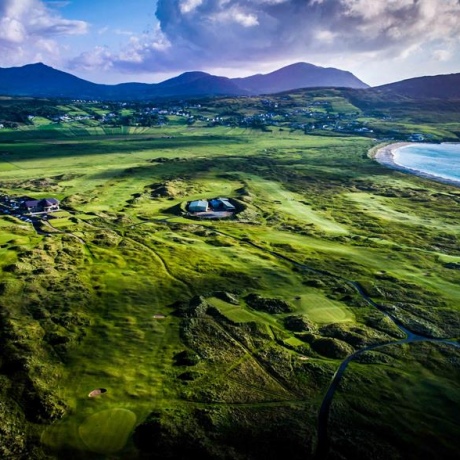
(220, 339)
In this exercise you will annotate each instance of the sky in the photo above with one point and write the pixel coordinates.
(114, 41)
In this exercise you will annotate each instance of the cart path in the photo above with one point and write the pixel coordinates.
(322, 446)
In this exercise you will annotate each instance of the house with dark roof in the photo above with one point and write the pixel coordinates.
(40, 206)
(222, 204)
(226, 204)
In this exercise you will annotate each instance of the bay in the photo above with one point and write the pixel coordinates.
(436, 160)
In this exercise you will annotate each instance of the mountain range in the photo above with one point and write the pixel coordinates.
(40, 80)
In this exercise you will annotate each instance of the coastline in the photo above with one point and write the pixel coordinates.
(385, 156)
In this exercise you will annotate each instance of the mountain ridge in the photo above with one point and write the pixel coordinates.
(40, 80)
(432, 86)
(300, 75)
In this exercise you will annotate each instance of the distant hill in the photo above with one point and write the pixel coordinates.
(299, 75)
(438, 86)
(40, 80)
(188, 84)
(198, 83)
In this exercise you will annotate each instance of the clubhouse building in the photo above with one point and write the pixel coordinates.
(213, 208)
(40, 206)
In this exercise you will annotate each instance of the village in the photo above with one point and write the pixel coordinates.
(312, 117)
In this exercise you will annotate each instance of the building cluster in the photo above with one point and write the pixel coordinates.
(215, 204)
(18, 206)
(39, 206)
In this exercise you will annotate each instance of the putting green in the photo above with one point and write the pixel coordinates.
(320, 309)
(107, 431)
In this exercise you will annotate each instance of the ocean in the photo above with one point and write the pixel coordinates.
(440, 160)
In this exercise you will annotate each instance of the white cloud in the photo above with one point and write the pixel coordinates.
(246, 20)
(187, 6)
(234, 15)
(207, 34)
(98, 58)
(132, 54)
(28, 29)
(11, 31)
(325, 36)
(442, 55)
(124, 32)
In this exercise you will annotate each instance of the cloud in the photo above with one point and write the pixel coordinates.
(28, 29)
(206, 34)
(98, 58)
(187, 6)
(133, 55)
(442, 54)
(123, 32)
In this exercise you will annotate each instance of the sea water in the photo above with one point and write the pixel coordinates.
(437, 160)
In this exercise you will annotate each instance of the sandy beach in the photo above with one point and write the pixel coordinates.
(385, 157)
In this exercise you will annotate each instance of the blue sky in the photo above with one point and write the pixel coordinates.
(112, 41)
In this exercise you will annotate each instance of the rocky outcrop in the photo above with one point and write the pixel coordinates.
(274, 306)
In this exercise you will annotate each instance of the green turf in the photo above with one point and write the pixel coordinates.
(107, 431)
(323, 310)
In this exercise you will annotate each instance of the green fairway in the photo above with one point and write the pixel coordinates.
(284, 202)
(234, 312)
(386, 209)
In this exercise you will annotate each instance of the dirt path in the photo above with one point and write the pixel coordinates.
(56, 230)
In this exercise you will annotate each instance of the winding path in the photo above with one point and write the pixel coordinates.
(163, 264)
(322, 446)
